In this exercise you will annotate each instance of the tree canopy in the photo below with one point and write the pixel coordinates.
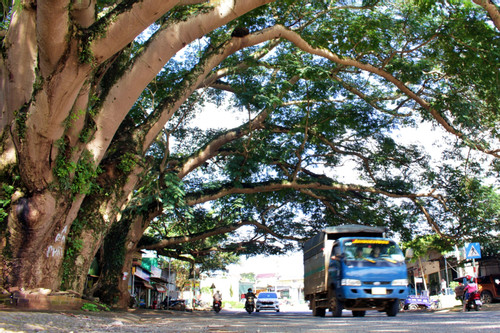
(99, 153)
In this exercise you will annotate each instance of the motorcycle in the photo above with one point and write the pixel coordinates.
(217, 306)
(474, 301)
(173, 304)
(250, 304)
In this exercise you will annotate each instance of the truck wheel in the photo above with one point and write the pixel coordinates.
(393, 309)
(319, 312)
(358, 313)
(486, 297)
(336, 307)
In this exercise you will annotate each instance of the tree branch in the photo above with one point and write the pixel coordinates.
(492, 10)
(212, 149)
(52, 32)
(165, 44)
(282, 32)
(429, 218)
(171, 241)
(276, 185)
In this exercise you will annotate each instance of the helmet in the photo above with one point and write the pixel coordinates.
(471, 279)
(249, 290)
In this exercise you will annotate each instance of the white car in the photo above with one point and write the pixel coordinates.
(267, 301)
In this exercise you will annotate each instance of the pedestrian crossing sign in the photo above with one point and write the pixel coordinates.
(473, 251)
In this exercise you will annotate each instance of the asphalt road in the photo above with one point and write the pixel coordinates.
(238, 321)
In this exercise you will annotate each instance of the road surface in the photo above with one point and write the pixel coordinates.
(288, 320)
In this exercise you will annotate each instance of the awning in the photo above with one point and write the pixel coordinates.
(147, 285)
(160, 289)
(155, 279)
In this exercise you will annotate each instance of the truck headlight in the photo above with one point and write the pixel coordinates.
(400, 282)
(350, 282)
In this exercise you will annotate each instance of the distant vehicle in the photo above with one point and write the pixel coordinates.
(414, 302)
(490, 287)
(267, 301)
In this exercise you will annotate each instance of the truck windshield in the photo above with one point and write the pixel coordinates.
(372, 250)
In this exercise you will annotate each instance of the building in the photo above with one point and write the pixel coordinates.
(426, 272)
(149, 285)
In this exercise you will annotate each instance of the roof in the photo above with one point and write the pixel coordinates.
(354, 228)
(266, 276)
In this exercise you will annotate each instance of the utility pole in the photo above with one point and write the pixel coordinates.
(423, 273)
(168, 284)
(446, 271)
(460, 270)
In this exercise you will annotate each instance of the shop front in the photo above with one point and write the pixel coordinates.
(142, 287)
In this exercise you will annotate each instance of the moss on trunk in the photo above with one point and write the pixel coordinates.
(113, 264)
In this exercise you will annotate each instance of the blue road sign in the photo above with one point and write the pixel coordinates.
(473, 251)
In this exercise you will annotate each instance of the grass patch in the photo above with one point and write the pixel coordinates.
(233, 304)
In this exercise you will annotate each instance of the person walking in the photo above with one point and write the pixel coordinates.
(443, 286)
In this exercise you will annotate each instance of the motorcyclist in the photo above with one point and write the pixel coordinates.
(249, 295)
(468, 290)
(217, 298)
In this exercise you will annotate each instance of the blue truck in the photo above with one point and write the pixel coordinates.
(354, 267)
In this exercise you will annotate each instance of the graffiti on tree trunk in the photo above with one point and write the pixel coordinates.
(56, 250)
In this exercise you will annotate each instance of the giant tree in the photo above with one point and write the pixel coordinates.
(96, 99)
(64, 96)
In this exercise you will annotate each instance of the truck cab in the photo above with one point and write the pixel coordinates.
(367, 273)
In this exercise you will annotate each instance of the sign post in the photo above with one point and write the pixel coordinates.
(473, 251)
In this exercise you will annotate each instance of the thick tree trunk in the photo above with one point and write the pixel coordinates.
(97, 216)
(37, 237)
(117, 253)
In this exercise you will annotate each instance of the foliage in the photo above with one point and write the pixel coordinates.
(421, 245)
(95, 307)
(73, 247)
(77, 177)
(250, 277)
(233, 304)
(113, 257)
(5, 201)
(353, 125)
(127, 163)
